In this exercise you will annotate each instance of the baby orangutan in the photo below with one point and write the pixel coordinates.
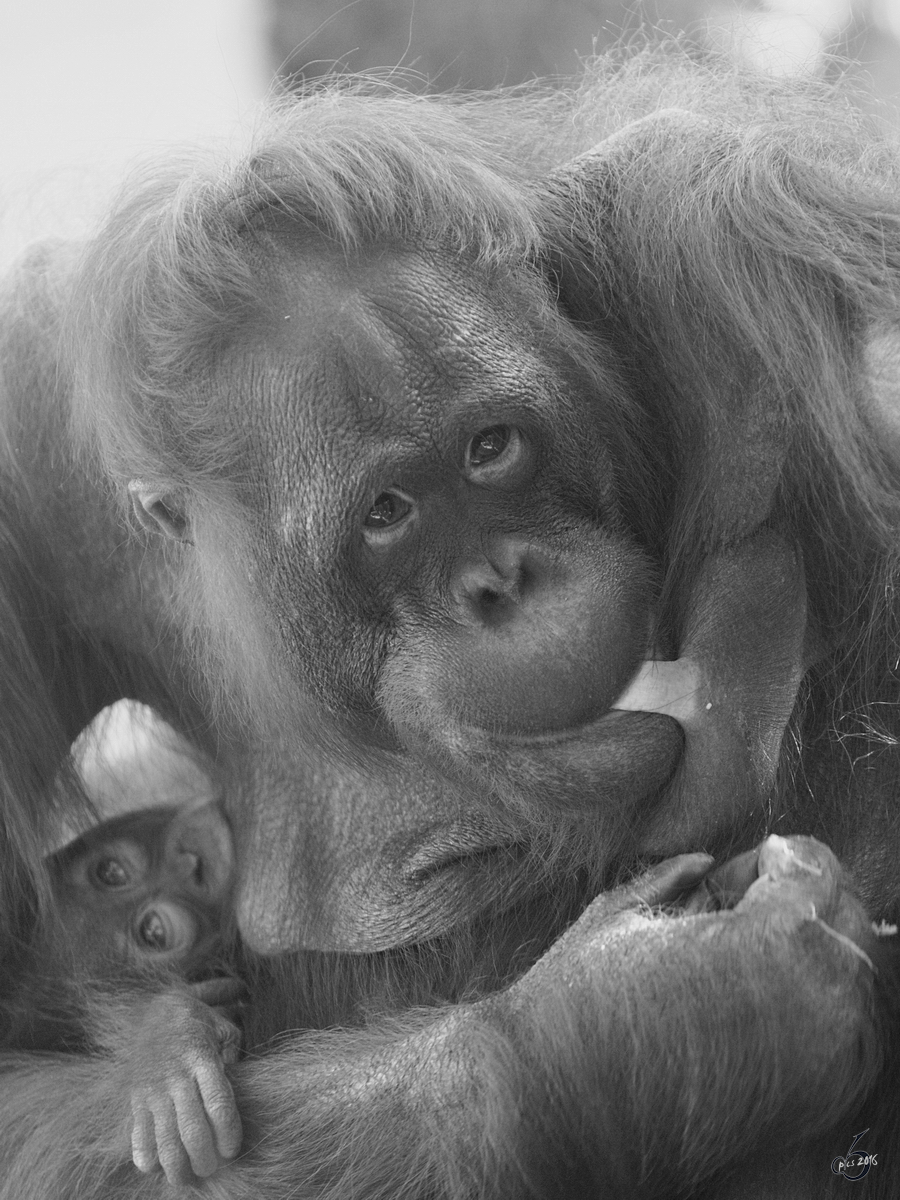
(137, 960)
(146, 895)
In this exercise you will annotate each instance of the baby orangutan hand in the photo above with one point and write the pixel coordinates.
(185, 1118)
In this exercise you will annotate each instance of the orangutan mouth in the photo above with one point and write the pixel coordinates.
(673, 688)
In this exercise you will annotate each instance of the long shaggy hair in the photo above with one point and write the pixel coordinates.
(734, 262)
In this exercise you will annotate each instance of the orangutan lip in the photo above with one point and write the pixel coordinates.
(572, 733)
(662, 687)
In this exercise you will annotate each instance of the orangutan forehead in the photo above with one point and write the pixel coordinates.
(392, 349)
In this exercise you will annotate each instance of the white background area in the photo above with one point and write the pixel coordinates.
(88, 85)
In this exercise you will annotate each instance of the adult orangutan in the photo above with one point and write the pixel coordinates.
(514, 505)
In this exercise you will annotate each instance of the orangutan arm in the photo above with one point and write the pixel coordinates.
(643, 1053)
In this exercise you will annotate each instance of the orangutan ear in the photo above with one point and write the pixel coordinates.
(159, 511)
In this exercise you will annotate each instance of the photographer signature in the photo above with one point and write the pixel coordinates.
(855, 1164)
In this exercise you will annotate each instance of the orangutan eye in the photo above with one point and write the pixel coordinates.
(110, 873)
(165, 928)
(388, 509)
(488, 445)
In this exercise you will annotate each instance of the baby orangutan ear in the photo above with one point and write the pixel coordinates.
(199, 851)
(159, 510)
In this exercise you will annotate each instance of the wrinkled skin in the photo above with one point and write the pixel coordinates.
(484, 586)
(492, 592)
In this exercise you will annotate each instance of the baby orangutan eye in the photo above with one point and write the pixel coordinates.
(110, 873)
(389, 509)
(165, 929)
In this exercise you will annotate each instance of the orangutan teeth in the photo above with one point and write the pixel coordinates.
(672, 688)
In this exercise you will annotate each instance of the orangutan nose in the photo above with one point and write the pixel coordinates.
(538, 643)
(492, 590)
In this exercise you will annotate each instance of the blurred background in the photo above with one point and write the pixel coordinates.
(86, 86)
(481, 43)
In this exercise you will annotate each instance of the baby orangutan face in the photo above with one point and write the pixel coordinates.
(150, 886)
